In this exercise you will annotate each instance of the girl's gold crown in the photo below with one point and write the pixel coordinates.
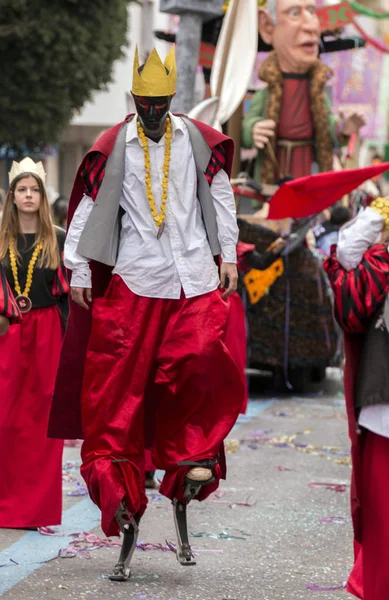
(27, 165)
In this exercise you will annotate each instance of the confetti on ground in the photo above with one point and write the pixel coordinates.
(279, 468)
(333, 453)
(318, 588)
(154, 496)
(335, 520)
(219, 494)
(84, 543)
(231, 446)
(249, 502)
(8, 565)
(49, 531)
(80, 489)
(335, 487)
(71, 465)
(224, 535)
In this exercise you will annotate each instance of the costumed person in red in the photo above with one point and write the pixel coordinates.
(30, 253)
(358, 270)
(150, 210)
(9, 311)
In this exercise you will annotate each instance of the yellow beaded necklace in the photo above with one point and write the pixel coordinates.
(22, 298)
(158, 218)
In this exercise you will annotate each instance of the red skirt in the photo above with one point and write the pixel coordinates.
(31, 464)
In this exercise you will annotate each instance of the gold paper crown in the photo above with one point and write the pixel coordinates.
(154, 81)
(27, 165)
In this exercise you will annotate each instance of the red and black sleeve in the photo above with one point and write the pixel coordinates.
(359, 293)
(8, 306)
(216, 163)
(93, 172)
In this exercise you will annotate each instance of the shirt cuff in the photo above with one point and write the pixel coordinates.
(81, 278)
(229, 254)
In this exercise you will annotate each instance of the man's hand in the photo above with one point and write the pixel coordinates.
(278, 245)
(262, 132)
(4, 324)
(353, 123)
(81, 295)
(230, 272)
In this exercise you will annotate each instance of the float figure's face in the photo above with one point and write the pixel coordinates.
(295, 36)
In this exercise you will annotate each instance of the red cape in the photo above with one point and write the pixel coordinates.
(65, 417)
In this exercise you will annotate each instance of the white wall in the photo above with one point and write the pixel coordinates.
(110, 107)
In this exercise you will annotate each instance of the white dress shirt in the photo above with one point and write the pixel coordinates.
(181, 259)
(355, 237)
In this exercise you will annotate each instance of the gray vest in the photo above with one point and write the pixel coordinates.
(100, 237)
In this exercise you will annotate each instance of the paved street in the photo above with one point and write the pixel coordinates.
(278, 529)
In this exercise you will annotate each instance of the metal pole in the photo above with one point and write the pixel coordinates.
(192, 15)
(187, 49)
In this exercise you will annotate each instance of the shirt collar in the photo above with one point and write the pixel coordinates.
(132, 131)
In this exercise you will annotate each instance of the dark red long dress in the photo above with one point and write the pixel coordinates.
(31, 464)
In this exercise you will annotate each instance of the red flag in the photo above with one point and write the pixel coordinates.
(310, 195)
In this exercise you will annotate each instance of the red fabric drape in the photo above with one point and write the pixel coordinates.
(31, 464)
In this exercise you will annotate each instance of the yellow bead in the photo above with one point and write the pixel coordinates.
(158, 219)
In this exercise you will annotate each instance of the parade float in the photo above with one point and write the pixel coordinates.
(288, 306)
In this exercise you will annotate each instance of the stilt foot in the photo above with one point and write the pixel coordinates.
(130, 529)
(184, 552)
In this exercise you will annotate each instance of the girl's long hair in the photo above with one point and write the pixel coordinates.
(9, 228)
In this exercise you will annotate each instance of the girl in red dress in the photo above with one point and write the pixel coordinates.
(30, 254)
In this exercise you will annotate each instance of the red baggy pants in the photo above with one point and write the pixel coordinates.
(162, 357)
(369, 579)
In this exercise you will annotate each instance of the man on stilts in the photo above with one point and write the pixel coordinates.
(151, 209)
